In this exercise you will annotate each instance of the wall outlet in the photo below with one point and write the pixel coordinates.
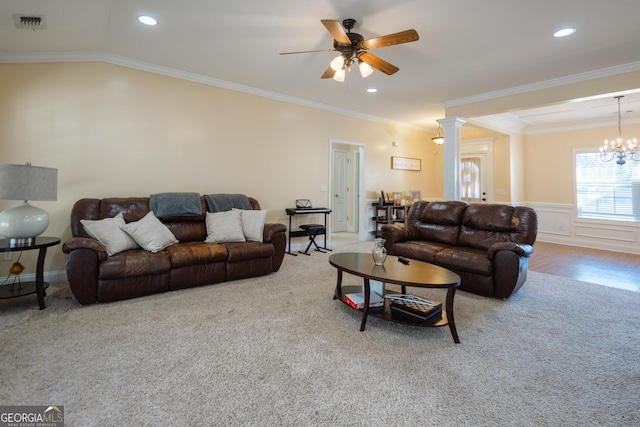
(7, 256)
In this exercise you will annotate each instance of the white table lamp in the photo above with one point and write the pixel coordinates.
(22, 224)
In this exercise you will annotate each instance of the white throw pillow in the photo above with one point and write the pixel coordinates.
(150, 233)
(108, 232)
(224, 227)
(253, 224)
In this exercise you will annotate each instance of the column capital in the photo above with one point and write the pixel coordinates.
(457, 121)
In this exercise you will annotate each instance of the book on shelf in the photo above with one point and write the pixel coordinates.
(357, 300)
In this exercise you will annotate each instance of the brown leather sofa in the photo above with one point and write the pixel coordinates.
(96, 277)
(487, 245)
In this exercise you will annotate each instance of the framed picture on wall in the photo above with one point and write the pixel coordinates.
(406, 163)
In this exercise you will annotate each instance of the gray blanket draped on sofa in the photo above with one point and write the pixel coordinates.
(226, 202)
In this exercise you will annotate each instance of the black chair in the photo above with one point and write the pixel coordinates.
(312, 231)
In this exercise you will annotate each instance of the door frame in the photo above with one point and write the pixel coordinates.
(484, 146)
(357, 199)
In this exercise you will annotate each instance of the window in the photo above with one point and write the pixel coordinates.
(607, 190)
(470, 178)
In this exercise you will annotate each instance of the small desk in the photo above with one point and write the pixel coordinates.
(38, 287)
(299, 233)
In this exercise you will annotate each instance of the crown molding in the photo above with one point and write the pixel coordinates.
(576, 78)
(17, 58)
(593, 123)
(504, 123)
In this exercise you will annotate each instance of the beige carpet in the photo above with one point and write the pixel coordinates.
(278, 350)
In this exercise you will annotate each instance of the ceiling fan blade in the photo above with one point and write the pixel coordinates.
(377, 63)
(328, 73)
(337, 32)
(307, 51)
(390, 40)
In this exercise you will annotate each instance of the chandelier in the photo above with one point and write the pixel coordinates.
(615, 149)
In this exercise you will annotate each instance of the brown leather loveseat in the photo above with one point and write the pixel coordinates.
(94, 276)
(487, 245)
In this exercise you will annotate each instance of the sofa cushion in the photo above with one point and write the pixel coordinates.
(150, 233)
(133, 208)
(460, 258)
(486, 224)
(193, 253)
(418, 249)
(439, 221)
(134, 263)
(248, 250)
(224, 227)
(108, 232)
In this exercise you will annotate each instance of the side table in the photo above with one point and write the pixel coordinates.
(28, 288)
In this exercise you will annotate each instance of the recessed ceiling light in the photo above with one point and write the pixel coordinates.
(147, 20)
(564, 32)
(372, 90)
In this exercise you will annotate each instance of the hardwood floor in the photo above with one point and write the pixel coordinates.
(608, 268)
(614, 269)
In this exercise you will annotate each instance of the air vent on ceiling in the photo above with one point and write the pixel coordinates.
(30, 22)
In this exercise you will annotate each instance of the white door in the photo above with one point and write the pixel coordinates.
(340, 203)
(473, 179)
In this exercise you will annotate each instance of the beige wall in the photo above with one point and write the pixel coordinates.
(112, 131)
(502, 169)
(517, 166)
(548, 161)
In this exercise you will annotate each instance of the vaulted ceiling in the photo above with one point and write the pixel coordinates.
(466, 47)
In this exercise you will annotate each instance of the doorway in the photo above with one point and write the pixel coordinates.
(347, 189)
(476, 171)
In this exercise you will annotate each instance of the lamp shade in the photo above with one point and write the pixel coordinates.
(26, 182)
(365, 69)
(21, 224)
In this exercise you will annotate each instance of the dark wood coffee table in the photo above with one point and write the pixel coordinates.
(417, 274)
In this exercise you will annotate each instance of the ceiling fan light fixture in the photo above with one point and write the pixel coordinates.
(338, 63)
(339, 75)
(365, 69)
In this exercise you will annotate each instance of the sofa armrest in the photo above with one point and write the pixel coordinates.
(276, 234)
(396, 233)
(520, 249)
(271, 230)
(85, 243)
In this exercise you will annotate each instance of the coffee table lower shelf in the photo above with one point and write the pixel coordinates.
(385, 311)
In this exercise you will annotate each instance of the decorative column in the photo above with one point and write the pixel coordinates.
(451, 131)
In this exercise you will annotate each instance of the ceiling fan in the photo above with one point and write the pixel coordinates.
(353, 47)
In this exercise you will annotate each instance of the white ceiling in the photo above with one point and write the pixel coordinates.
(467, 47)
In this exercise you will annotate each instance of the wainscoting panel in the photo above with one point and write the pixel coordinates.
(603, 232)
(554, 221)
(558, 223)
